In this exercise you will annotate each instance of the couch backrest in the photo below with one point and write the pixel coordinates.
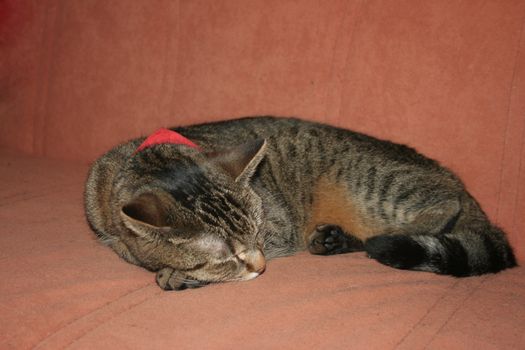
(446, 77)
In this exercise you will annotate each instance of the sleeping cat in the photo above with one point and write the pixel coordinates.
(212, 202)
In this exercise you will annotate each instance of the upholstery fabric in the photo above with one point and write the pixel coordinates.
(77, 77)
(63, 290)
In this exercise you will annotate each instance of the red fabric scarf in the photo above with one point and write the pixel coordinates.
(165, 136)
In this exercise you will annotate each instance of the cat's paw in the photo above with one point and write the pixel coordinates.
(331, 239)
(169, 279)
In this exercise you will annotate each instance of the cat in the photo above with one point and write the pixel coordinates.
(224, 197)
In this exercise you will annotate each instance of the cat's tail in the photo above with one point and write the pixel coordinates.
(473, 246)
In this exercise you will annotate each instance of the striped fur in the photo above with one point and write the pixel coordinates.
(271, 185)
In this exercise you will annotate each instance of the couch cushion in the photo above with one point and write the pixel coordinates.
(62, 289)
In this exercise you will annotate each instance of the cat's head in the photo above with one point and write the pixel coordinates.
(194, 213)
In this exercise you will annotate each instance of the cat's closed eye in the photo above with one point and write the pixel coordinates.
(214, 246)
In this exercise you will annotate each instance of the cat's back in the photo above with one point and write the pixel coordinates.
(292, 135)
(232, 132)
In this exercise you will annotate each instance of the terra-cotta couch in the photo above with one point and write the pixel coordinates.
(77, 77)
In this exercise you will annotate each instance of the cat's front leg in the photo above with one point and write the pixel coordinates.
(170, 279)
(331, 239)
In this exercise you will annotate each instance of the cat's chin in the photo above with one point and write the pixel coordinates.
(250, 276)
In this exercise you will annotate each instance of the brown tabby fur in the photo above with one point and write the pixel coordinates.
(266, 187)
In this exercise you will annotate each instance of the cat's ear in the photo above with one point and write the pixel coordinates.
(241, 161)
(146, 215)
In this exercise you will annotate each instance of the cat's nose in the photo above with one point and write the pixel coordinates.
(254, 260)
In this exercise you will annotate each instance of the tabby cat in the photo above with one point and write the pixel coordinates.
(223, 197)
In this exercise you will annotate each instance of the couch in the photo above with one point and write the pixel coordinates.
(77, 77)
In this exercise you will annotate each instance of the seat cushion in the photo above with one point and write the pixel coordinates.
(62, 289)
